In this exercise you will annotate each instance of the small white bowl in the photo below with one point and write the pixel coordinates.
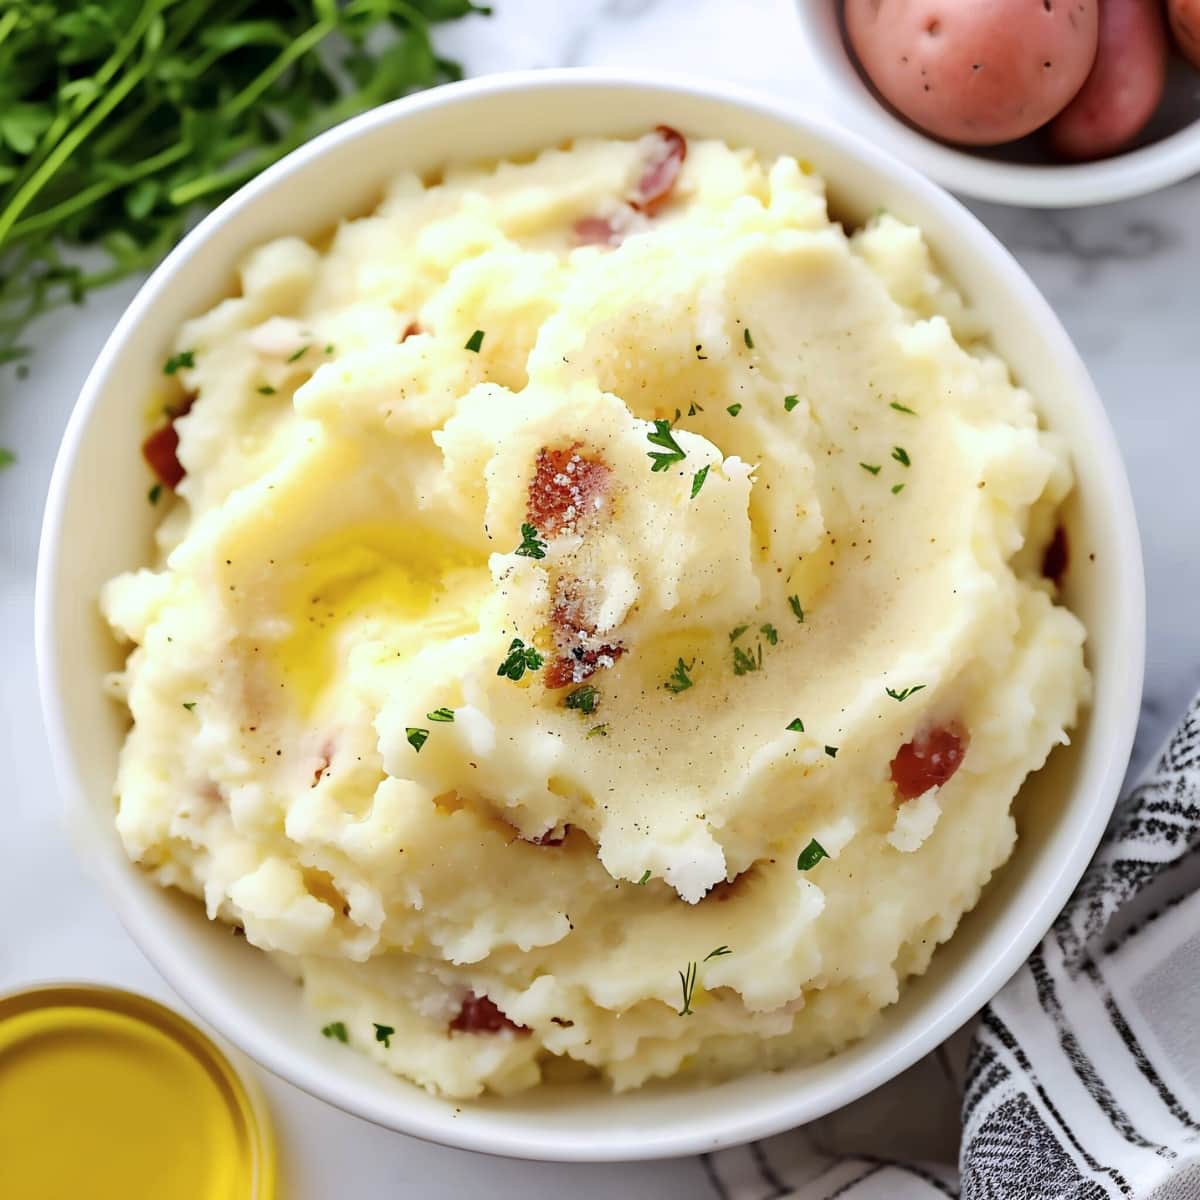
(988, 173)
(98, 523)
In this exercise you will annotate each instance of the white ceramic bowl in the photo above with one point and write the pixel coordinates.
(998, 173)
(98, 523)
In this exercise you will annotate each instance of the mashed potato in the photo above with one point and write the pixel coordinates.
(600, 625)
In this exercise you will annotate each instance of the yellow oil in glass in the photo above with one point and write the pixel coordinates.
(107, 1095)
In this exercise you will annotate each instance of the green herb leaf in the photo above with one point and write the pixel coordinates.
(680, 680)
(737, 632)
(663, 437)
(868, 467)
(584, 699)
(296, 355)
(747, 338)
(444, 716)
(902, 408)
(795, 725)
(531, 546)
(744, 661)
(904, 693)
(770, 633)
(645, 876)
(794, 605)
(329, 350)
(687, 979)
(521, 658)
(897, 488)
(190, 705)
(383, 1033)
(177, 362)
(811, 855)
(790, 402)
(475, 341)
(734, 409)
(598, 731)
(416, 737)
(901, 456)
(693, 409)
(336, 1030)
(698, 480)
(155, 493)
(265, 389)
(831, 751)
(719, 952)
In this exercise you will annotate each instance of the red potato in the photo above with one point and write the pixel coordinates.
(975, 71)
(1125, 86)
(1185, 25)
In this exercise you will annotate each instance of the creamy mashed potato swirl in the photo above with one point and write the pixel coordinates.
(600, 625)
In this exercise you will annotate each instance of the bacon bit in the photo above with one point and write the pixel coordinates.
(478, 1014)
(566, 488)
(596, 231)
(660, 171)
(928, 761)
(1056, 557)
(161, 448)
(411, 330)
(579, 665)
(575, 662)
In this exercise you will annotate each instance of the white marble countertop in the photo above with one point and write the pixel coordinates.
(1126, 281)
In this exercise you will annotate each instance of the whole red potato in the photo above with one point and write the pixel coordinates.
(1125, 86)
(1185, 25)
(975, 71)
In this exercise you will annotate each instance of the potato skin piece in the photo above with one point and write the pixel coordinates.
(1125, 86)
(976, 72)
(1185, 26)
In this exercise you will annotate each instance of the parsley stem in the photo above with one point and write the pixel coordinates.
(299, 47)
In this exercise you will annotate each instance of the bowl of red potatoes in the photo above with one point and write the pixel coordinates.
(1048, 103)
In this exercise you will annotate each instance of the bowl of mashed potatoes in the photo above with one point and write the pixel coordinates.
(575, 593)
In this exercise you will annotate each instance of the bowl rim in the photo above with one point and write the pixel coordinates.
(706, 1131)
(1135, 172)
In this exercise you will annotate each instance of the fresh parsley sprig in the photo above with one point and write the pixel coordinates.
(531, 545)
(521, 658)
(679, 679)
(671, 451)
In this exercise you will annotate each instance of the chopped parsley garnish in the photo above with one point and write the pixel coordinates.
(904, 693)
(443, 715)
(416, 737)
(687, 978)
(663, 437)
(901, 456)
(521, 658)
(734, 409)
(811, 855)
(296, 355)
(584, 699)
(383, 1033)
(698, 480)
(265, 389)
(680, 680)
(645, 876)
(190, 705)
(747, 338)
(794, 605)
(531, 546)
(897, 488)
(185, 358)
(155, 493)
(675, 419)
(336, 1030)
(598, 731)
(719, 952)
(737, 632)
(694, 408)
(902, 408)
(868, 467)
(771, 634)
(329, 349)
(790, 402)
(744, 661)
(831, 751)
(7, 457)
(475, 341)
(795, 725)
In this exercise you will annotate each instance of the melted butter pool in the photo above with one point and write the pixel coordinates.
(398, 585)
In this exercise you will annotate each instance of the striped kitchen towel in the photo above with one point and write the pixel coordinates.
(1080, 1081)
